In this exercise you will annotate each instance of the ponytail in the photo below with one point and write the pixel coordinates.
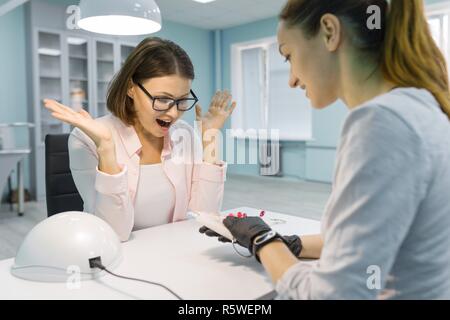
(411, 57)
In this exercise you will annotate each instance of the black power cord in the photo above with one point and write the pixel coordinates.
(97, 263)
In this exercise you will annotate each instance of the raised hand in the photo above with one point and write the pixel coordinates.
(219, 111)
(98, 132)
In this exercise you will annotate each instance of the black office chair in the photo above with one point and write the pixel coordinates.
(62, 194)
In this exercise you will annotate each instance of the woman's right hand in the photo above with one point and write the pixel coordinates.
(98, 132)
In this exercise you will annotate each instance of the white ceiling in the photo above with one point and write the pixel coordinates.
(218, 14)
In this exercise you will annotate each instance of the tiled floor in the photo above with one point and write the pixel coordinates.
(303, 199)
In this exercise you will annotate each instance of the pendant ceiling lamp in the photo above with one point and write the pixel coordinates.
(120, 17)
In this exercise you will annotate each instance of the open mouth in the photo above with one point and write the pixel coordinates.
(164, 124)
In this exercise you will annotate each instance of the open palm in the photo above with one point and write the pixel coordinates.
(98, 132)
(219, 111)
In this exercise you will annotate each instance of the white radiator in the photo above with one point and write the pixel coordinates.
(269, 158)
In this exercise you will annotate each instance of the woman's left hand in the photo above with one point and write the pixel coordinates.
(218, 112)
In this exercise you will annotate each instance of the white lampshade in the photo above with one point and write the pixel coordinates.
(120, 17)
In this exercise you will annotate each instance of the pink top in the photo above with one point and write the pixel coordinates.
(198, 185)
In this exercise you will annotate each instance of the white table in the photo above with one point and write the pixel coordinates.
(10, 159)
(177, 255)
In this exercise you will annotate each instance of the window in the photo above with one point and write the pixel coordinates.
(266, 102)
(438, 19)
(439, 31)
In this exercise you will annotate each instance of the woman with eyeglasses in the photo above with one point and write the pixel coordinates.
(386, 227)
(141, 166)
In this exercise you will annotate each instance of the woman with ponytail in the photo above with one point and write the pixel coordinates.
(386, 227)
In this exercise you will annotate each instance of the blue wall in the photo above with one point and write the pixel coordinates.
(13, 73)
(13, 90)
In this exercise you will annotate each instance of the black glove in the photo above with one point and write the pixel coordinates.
(245, 230)
(294, 242)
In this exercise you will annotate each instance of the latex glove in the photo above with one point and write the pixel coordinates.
(294, 242)
(244, 230)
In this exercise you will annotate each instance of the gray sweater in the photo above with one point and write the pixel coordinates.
(386, 226)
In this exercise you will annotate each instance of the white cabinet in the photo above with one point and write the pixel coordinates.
(49, 80)
(75, 69)
(105, 67)
(125, 51)
(79, 72)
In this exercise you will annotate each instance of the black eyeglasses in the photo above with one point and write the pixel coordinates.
(165, 103)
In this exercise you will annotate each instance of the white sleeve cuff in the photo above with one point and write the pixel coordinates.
(111, 184)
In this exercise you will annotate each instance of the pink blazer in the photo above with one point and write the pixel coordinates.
(198, 186)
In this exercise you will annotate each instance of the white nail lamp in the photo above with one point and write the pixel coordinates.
(120, 17)
(62, 245)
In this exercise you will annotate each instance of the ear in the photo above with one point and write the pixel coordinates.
(131, 92)
(331, 29)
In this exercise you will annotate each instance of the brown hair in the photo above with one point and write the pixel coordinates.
(153, 57)
(403, 47)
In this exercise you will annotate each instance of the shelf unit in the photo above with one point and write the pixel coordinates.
(105, 65)
(50, 78)
(78, 49)
(125, 51)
